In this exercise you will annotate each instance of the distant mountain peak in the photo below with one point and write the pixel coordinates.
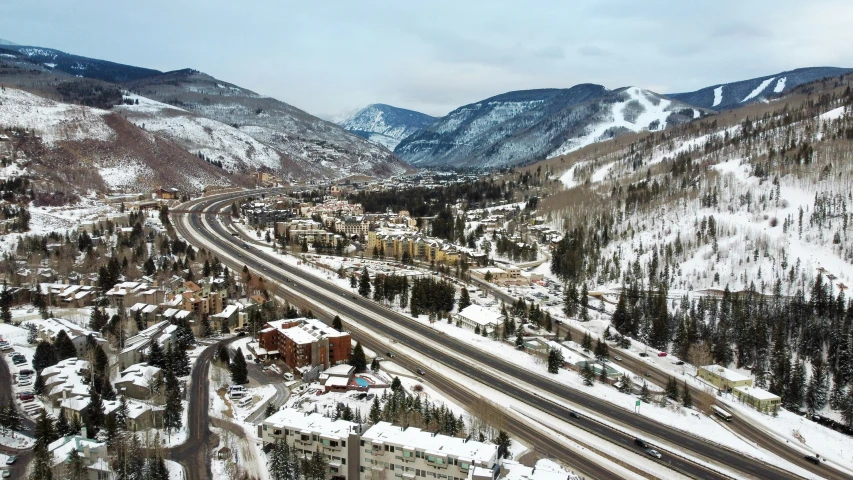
(384, 124)
(8, 43)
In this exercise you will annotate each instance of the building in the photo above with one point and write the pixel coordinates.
(229, 318)
(166, 193)
(758, 398)
(68, 378)
(500, 276)
(389, 451)
(126, 294)
(723, 378)
(337, 439)
(93, 453)
(136, 347)
(475, 317)
(138, 381)
(304, 342)
(48, 329)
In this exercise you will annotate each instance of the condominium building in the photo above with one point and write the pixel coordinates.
(388, 451)
(307, 433)
(305, 342)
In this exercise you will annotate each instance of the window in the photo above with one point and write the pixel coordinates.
(362, 443)
(419, 454)
(343, 443)
(314, 437)
(304, 438)
(276, 432)
(407, 454)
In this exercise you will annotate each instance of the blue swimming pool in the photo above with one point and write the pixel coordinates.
(361, 382)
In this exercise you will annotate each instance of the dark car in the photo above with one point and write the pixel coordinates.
(641, 443)
(26, 371)
(24, 397)
(421, 371)
(812, 459)
(644, 354)
(679, 362)
(574, 414)
(390, 354)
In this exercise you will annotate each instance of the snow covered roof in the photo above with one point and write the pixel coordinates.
(725, 373)
(543, 470)
(385, 432)
(314, 423)
(336, 382)
(342, 370)
(479, 315)
(139, 374)
(77, 403)
(756, 393)
(227, 311)
(63, 447)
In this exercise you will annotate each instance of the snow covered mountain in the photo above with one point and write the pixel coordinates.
(310, 148)
(737, 94)
(81, 150)
(76, 65)
(384, 124)
(525, 126)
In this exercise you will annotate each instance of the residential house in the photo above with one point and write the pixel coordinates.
(723, 378)
(136, 348)
(139, 381)
(481, 319)
(304, 342)
(92, 452)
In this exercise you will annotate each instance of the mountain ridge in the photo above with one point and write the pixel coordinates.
(384, 124)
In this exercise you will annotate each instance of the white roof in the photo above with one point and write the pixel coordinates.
(724, 372)
(757, 393)
(337, 382)
(481, 316)
(342, 370)
(63, 447)
(139, 374)
(314, 422)
(441, 444)
(227, 311)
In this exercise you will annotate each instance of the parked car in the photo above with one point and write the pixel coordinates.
(812, 459)
(653, 453)
(679, 362)
(26, 371)
(26, 397)
(421, 371)
(288, 376)
(662, 354)
(11, 459)
(644, 354)
(6, 474)
(641, 443)
(617, 358)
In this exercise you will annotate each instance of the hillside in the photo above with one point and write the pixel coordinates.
(314, 148)
(737, 94)
(385, 125)
(740, 222)
(77, 149)
(525, 126)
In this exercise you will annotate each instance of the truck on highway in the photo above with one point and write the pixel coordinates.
(721, 413)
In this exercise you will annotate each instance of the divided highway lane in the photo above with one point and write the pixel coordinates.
(498, 370)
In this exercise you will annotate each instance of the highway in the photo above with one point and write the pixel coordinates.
(702, 401)
(478, 366)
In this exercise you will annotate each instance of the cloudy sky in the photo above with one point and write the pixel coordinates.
(433, 56)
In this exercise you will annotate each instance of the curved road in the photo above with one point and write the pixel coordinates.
(493, 371)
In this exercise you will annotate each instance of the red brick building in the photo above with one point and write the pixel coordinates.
(305, 342)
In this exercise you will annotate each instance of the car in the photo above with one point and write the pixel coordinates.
(25, 383)
(421, 371)
(617, 358)
(644, 354)
(641, 443)
(661, 354)
(653, 453)
(288, 376)
(361, 396)
(6, 474)
(26, 397)
(257, 360)
(647, 374)
(26, 371)
(574, 414)
(812, 459)
(390, 354)
(679, 362)
(11, 459)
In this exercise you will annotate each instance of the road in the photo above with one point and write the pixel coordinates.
(7, 396)
(479, 366)
(263, 378)
(194, 453)
(702, 400)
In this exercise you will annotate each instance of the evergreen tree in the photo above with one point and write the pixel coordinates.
(586, 343)
(6, 304)
(63, 428)
(686, 397)
(503, 442)
(364, 283)
(42, 464)
(602, 350)
(32, 333)
(338, 324)
(672, 388)
(570, 307)
(375, 411)
(156, 356)
(588, 374)
(353, 283)
(645, 394)
(357, 358)
(107, 391)
(555, 360)
(44, 356)
(519, 339)
(96, 411)
(45, 431)
(38, 386)
(74, 468)
(173, 409)
(464, 299)
(278, 460)
(374, 365)
(797, 387)
(239, 370)
(396, 385)
(818, 388)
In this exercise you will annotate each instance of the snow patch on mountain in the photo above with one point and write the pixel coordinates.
(385, 125)
(639, 110)
(780, 85)
(718, 96)
(760, 88)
